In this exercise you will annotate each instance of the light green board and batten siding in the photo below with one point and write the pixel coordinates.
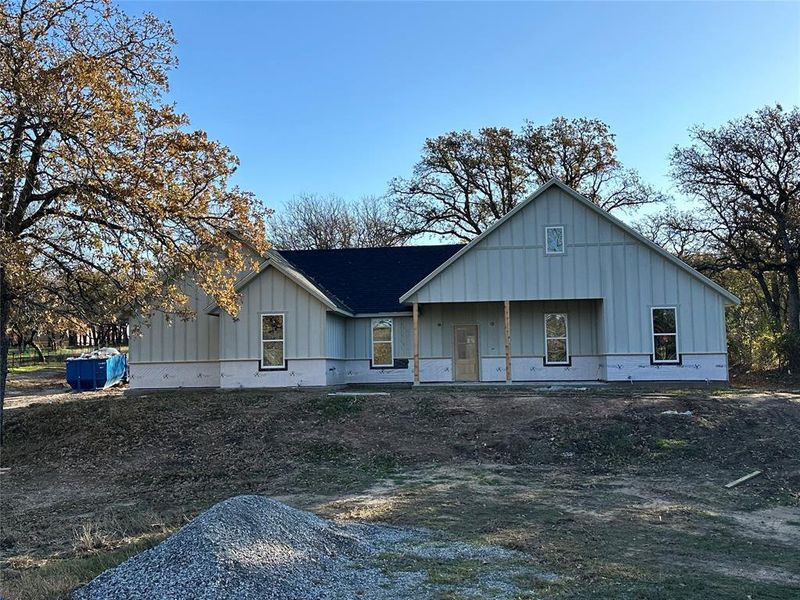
(601, 261)
(358, 334)
(311, 331)
(158, 339)
(606, 281)
(273, 292)
(335, 336)
(436, 323)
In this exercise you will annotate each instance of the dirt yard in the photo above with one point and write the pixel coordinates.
(599, 487)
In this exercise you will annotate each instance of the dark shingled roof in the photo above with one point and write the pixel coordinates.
(369, 280)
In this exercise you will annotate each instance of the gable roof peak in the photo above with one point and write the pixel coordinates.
(555, 182)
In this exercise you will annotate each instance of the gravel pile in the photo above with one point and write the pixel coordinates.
(255, 547)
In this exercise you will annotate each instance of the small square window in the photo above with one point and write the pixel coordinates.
(554, 240)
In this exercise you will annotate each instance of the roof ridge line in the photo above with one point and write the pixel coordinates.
(409, 247)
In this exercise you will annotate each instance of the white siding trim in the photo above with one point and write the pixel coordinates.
(320, 372)
(693, 367)
(299, 372)
(436, 370)
(359, 371)
(171, 375)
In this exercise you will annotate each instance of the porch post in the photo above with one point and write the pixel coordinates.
(507, 327)
(416, 342)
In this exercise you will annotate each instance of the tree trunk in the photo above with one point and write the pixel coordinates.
(36, 348)
(5, 301)
(772, 301)
(793, 320)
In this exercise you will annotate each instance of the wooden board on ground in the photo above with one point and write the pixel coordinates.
(351, 394)
(743, 479)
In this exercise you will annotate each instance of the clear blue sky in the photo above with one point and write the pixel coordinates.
(339, 97)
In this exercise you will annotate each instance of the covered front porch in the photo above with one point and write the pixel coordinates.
(511, 341)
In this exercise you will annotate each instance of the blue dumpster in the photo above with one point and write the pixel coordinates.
(95, 373)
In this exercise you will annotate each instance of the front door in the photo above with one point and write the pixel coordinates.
(465, 353)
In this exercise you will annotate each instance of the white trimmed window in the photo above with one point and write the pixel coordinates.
(556, 339)
(665, 334)
(382, 343)
(272, 341)
(554, 240)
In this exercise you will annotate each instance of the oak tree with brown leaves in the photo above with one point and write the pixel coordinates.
(103, 181)
(745, 179)
(464, 180)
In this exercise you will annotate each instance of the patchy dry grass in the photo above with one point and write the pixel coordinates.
(597, 487)
(606, 536)
(97, 544)
(37, 377)
(33, 369)
(57, 578)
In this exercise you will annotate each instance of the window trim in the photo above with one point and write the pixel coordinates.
(373, 341)
(654, 360)
(564, 363)
(261, 365)
(563, 242)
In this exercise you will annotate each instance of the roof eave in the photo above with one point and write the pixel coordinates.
(275, 261)
(383, 313)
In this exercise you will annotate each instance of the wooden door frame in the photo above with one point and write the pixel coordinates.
(477, 353)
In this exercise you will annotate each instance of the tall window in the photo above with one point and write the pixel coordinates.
(556, 339)
(554, 240)
(272, 342)
(665, 334)
(382, 343)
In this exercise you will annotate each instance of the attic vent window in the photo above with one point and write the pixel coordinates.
(554, 240)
